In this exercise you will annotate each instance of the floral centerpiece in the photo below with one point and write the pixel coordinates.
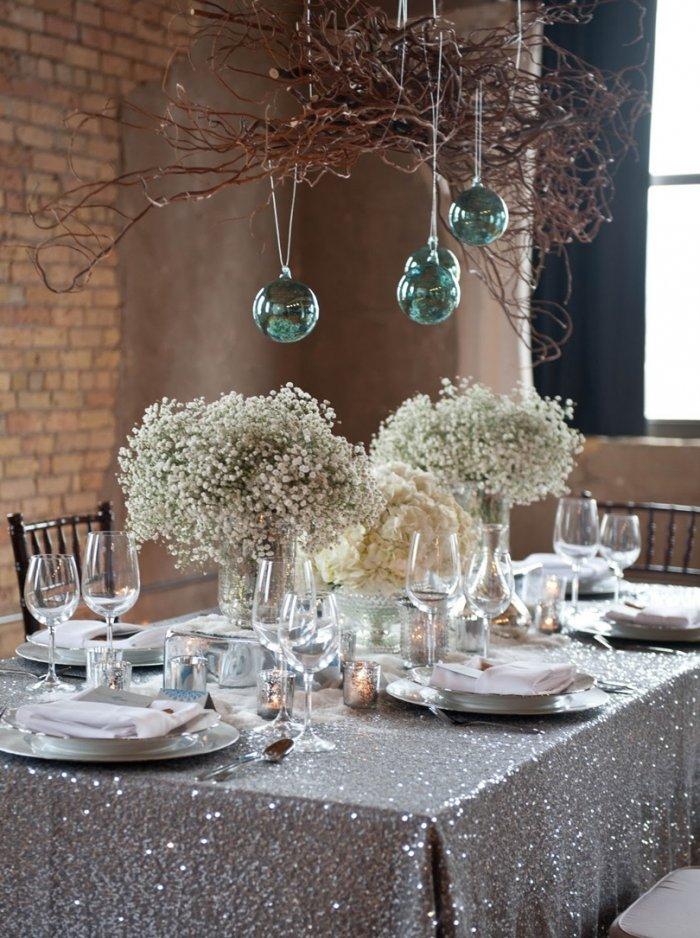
(369, 560)
(225, 481)
(516, 446)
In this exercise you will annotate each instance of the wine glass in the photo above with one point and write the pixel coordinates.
(620, 544)
(52, 593)
(111, 582)
(308, 636)
(433, 577)
(277, 581)
(576, 536)
(489, 580)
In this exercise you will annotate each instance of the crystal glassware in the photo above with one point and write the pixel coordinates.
(620, 544)
(433, 578)
(278, 583)
(52, 594)
(308, 636)
(489, 580)
(576, 536)
(111, 582)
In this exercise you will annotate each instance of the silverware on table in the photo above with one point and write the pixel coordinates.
(625, 645)
(273, 753)
(452, 719)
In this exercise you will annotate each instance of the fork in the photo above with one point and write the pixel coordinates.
(451, 720)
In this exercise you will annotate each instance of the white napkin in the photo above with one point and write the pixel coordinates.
(79, 633)
(90, 720)
(593, 569)
(661, 615)
(486, 676)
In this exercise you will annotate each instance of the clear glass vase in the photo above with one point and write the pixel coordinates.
(373, 617)
(237, 579)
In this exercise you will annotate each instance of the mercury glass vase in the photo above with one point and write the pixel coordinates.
(237, 579)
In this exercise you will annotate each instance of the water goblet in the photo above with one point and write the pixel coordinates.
(52, 593)
(489, 580)
(620, 544)
(433, 576)
(308, 635)
(576, 536)
(111, 582)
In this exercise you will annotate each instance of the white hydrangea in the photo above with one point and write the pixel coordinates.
(371, 558)
(207, 478)
(516, 445)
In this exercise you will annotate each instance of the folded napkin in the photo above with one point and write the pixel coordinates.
(486, 676)
(84, 719)
(79, 633)
(593, 569)
(661, 615)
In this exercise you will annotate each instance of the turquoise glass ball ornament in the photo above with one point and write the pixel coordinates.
(478, 215)
(445, 258)
(285, 310)
(428, 293)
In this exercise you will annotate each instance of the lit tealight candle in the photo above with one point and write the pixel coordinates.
(271, 692)
(361, 684)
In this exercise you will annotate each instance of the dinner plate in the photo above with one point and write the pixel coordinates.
(115, 747)
(501, 704)
(581, 682)
(139, 657)
(637, 633)
(218, 737)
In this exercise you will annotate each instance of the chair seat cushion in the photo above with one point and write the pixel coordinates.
(670, 909)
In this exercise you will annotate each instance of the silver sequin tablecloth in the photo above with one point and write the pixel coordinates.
(409, 829)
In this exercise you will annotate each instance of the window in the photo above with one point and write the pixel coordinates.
(672, 371)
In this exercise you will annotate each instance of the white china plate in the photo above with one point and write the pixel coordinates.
(413, 693)
(114, 747)
(22, 744)
(139, 657)
(639, 633)
(580, 683)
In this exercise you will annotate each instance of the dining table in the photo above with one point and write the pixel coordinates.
(517, 827)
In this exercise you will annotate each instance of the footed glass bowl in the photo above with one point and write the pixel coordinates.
(375, 618)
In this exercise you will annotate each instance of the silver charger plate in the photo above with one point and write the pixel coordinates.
(581, 682)
(594, 625)
(16, 743)
(139, 657)
(414, 693)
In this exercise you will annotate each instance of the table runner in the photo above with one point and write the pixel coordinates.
(411, 828)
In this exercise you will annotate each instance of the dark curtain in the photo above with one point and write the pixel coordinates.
(602, 365)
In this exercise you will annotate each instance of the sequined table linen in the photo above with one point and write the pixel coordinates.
(410, 829)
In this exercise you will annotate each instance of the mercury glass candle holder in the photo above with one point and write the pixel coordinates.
(548, 615)
(414, 636)
(346, 646)
(106, 667)
(186, 672)
(271, 692)
(361, 684)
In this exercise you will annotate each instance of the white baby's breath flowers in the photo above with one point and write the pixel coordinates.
(517, 445)
(211, 479)
(371, 558)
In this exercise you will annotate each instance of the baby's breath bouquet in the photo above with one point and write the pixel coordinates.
(517, 446)
(241, 472)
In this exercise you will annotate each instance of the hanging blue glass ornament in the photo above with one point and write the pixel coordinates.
(428, 292)
(285, 310)
(445, 258)
(478, 215)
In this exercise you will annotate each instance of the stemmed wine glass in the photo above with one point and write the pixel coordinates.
(620, 544)
(489, 580)
(576, 536)
(433, 576)
(308, 635)
(277, 581)
(52, 593)
(111, 582)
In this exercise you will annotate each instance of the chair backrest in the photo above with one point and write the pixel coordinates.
(64, 535)
(668, 537)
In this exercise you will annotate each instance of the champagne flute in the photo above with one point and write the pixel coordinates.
(489, 580)
(620, 544)
(111, 582)
(308, 636)
(277, 581)
(576, 536)
(433, 577)
(52, 593)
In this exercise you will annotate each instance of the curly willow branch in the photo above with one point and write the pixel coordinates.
(551, 136)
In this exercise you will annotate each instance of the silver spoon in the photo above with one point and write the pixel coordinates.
(274, 753)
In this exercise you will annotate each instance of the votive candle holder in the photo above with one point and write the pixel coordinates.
(361, 684)
(275, 687)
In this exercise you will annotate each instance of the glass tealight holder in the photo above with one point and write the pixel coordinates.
(361, 684)
(271, 692)
(346, 646)
(414, 636)
(548, 615)
(107, 667)
(186, 672)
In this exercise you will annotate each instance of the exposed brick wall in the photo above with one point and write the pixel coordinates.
(60, 354)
